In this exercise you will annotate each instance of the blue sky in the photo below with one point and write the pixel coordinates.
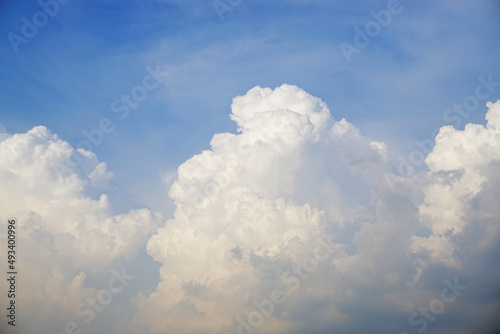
(396, 91)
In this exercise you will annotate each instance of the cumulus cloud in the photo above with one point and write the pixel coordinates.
(254, 208)
(294, 224)
(63, 233)
(462, 165)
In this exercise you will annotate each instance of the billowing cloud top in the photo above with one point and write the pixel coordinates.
(260, 103)
(294, 224)
(252, 211)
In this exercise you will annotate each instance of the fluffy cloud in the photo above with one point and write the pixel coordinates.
(252, 211)
(287, 226)
(64, 234)
(462, 166)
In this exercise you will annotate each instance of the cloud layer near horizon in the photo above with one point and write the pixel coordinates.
(296, 201)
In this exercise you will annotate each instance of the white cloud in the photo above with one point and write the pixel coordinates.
(100, 176)
(63, 235)
(460, 166)
(256, 203)
(250, 214)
